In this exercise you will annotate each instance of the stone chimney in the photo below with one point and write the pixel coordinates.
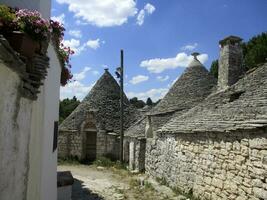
(230, 61)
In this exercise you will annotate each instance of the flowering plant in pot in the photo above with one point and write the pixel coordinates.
(64, 57)
(36, 32)
(32, 23)
(27, 31)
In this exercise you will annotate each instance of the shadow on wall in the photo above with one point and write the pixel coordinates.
(79, 192)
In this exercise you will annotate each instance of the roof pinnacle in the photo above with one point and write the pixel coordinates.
(195, 54)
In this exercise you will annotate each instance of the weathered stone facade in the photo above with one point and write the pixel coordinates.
(213, 165)
(217, 149)
(72, 145)
(194, 85)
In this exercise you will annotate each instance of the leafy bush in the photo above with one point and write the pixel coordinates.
(7, 18)
(255, 51)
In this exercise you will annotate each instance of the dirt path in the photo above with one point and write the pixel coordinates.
(97, 183)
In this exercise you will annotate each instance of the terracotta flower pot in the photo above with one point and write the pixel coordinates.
(23, 44)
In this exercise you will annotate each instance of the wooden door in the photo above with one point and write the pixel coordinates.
(90, 147)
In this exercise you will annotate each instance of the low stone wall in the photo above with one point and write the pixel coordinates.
(214, 166)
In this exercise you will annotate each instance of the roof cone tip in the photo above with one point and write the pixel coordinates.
(106, 69)
(195, 54)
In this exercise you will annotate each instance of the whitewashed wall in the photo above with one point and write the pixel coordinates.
(51, 111)
(41, 181)
(15, 120)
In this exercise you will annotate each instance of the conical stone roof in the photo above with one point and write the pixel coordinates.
(104, 102)
(194, 85)
(243, 106)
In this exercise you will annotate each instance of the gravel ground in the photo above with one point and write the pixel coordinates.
(98, 183)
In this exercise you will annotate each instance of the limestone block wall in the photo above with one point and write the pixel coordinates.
(214, 166)
(112, 146)
(101, 143)
(70, 144)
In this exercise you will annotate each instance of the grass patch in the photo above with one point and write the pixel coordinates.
(106, 162)
(68, 161)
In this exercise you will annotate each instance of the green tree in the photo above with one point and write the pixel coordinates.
(66, 106)
(214, 68)
(137, 103)
(255, 51)
(149, 102)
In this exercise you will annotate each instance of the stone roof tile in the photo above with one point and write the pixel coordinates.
(241, 106)
(104, 102)
(194, 85)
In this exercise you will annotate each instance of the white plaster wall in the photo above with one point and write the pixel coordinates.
(15, 119)
(42, 184)
(35, 148)
(51, 112)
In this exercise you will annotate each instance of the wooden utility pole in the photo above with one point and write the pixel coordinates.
(121, 111)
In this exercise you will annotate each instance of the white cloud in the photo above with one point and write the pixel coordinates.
(81, 75)
(75, 45)
(75, 33)
(189, 47)
(93, 44)
(138, 79)
(95, 72)
(103, 13)
(147, 10)
(60, 18)
(75, 88)
(158, 65)
(163, 78)
(140, 17)
(154, 94)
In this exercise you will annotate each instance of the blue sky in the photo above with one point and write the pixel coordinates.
(157, 37)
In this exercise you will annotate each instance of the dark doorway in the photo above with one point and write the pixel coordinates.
(90, 146)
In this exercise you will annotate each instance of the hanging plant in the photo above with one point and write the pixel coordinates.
(28, 33)
(57, 32)
(64, 54)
